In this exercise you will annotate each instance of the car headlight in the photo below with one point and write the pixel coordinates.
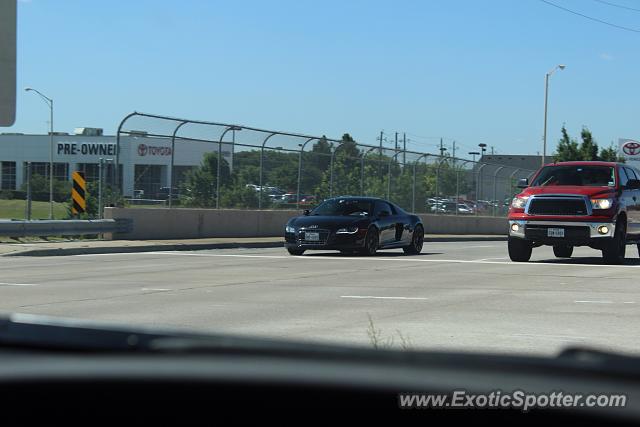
(348, 230)
(519, 202)
(290, 229)
(601, 203)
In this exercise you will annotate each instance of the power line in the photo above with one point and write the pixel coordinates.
(617, 5)
(633, 30)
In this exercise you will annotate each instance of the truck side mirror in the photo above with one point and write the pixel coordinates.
(523, 182)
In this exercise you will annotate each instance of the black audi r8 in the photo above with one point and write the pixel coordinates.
(355, 224)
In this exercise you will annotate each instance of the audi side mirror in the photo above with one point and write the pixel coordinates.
(633, 184)
(306, 212)
(523, 183)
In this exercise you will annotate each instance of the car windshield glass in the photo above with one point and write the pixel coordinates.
(587, 176)
(339, 207)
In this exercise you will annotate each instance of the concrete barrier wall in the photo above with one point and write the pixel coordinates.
(200, 223)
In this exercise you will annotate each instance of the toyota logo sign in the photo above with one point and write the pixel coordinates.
(142, 150)
(151, 150)
(631, 148)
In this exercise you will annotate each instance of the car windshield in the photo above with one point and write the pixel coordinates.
(584, 176)
(344, 207)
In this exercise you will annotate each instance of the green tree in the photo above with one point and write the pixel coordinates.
(567, 149)
(589, 147)
(610, 154)
(199, 188)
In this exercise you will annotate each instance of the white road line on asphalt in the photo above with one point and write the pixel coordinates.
(374, 297)
(593, 302)
(399, 259)
(561, 337)
(155, 289)
(629, 302)
(18, 284)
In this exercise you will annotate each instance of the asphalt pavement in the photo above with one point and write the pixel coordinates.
(455, 295)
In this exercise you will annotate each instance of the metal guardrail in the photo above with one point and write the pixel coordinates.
(64, 227)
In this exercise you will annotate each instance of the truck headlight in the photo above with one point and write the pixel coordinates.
(601, 203)
(289, 229)
(348, 230)
(519, 202)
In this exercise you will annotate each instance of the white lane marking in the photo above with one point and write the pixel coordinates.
(373, 297)
(18, 284)
(489, 259)
(629, 302)
(593, 302)
(399, 259)
(155, 289)
(561, 337)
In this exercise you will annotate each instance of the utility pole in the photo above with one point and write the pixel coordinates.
(380, 160)
(492, 150)
(454, 153)
(442, 148)
(396, 142)
(404, 148)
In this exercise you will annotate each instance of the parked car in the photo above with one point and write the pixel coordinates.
(163, 193)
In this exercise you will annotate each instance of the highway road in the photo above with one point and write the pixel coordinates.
(455, 295)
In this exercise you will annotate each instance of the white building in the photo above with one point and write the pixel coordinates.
(144, 161)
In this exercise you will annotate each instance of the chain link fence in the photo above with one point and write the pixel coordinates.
(171, 162)
(251, 168)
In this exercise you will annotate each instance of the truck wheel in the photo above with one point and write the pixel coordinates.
(519, 250)
(293, 251)
(563, 251)
(614, 251)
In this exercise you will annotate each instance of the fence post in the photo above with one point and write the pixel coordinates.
(364, 154)
(261, 167)
(413, 192)
(28, 205)
(389, 174)
(100, 177)
(478, 176)
(300, 170)
(117, 177)
(172, 161)
(438, 180)
(495, 185)
(333, 155)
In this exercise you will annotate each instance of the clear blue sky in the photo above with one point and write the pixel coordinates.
(468, 70)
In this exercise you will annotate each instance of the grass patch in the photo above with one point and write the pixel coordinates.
(15, 209)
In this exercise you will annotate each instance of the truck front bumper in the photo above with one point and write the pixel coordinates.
(575, 233)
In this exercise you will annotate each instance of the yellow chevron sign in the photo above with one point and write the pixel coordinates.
(79, 193)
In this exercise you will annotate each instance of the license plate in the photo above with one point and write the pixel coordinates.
(555, 232)
(312, 237)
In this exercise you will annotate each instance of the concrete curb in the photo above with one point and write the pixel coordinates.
(138, 249)
(205, 246)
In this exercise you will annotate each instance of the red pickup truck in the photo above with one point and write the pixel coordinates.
(567, 204)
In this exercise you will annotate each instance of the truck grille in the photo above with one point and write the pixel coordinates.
(557, 206)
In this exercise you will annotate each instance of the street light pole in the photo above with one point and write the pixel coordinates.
(546, 101)
(49, 102)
